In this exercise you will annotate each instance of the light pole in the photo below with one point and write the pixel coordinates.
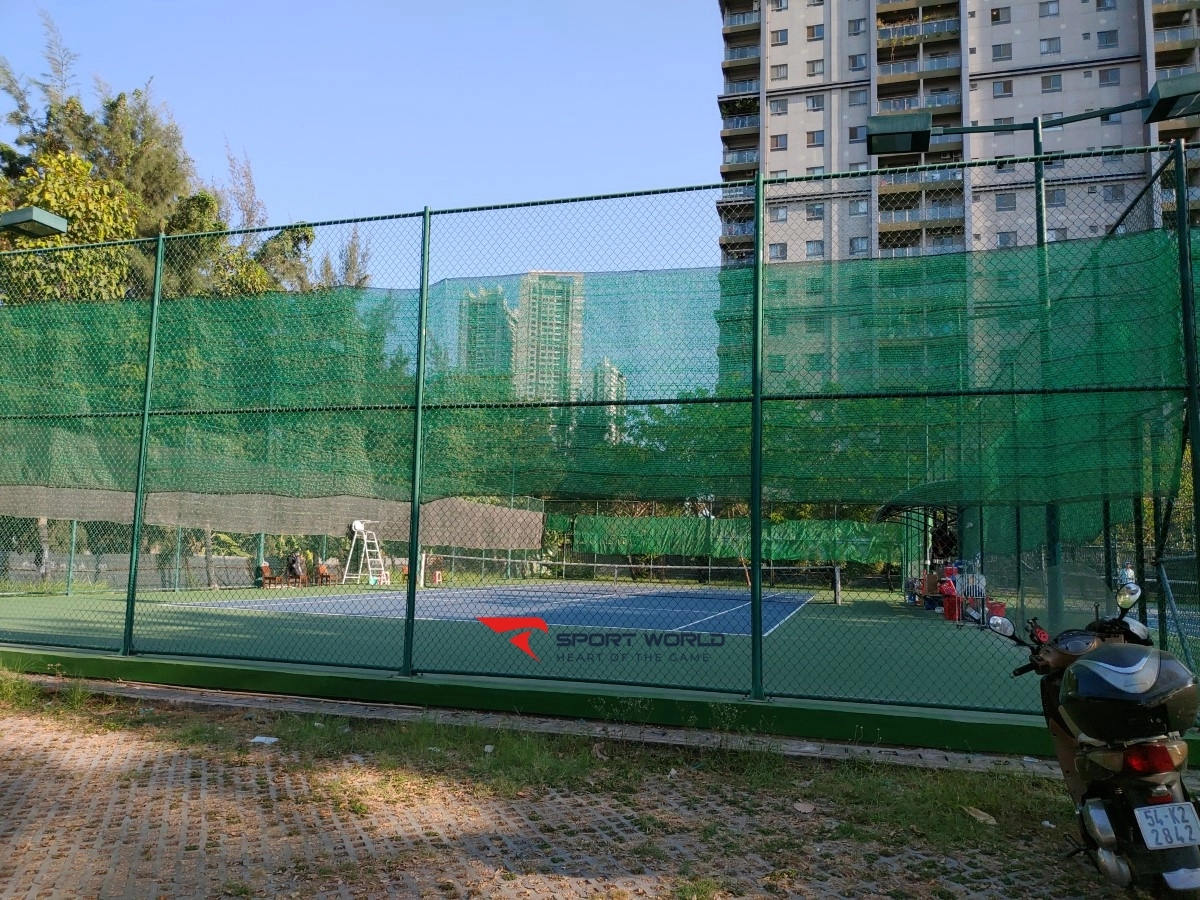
(1169, 98)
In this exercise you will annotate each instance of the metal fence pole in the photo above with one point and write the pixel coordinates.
(1183, 229)
(414, 521)
(756, 449)
(71, 558)
(139, 492)
(178, 553)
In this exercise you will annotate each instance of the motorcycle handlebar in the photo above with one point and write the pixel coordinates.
(1028, 667)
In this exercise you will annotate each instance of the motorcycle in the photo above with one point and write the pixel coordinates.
(1117, 708)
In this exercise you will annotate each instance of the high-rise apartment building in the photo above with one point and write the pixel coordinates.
(802, 76)
(486, 333)
(548, 347)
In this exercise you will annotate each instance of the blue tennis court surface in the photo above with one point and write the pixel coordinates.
(649, 608)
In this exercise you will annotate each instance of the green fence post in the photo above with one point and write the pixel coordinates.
(1183, 228)
(414, 520)
(71, 558)
(139, 492)
(756, 450)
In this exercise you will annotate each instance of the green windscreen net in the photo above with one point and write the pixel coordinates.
(581, 391)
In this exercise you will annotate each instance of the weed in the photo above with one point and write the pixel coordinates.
(17, 692)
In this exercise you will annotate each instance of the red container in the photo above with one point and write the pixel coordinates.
(995, 608)
(951, 609)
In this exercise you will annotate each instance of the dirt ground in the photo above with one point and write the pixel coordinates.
(92, 812)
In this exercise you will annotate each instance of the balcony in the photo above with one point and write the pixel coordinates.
(739, 123)
(899, 104)
(735, 23)
(892, 252)
(903, 67)
(942, 212)
(894, 182)
(742, 52)
(943, 99)
(736, 229)
(746, 86)
(901, 216)
(1174, 38)
(920, 31)
(1173, 72)
(735, 161)
(941, 63)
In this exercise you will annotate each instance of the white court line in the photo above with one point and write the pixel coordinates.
(713, 616)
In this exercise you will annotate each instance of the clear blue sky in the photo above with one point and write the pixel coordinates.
(364, 108)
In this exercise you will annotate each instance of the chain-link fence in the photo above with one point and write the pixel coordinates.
(640, 457)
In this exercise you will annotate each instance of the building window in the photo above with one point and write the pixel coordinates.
(1006, 202)
(1056, 197)
(816, 66)
(1110, 77)
(779, 37)
(778, 107)
(778, 5)
(1110, 119)
(779, 142)
(856, 27)
(859, 246)
(779, 73)
(1001, 52)
(1048, 46)
(859, 208)
(858, 62)
(1048, 9)
(815, 102)
(1056, 234)
(858, 134)
(1001, 15)
(1002, 163)
(814, 212)
(777, 213)
(857, 98)
(1050, 117)
(1051, 84)
(859, 167)
(1002, 88)
(1003, 120)
(1113, 193)
(814, 249)
(1106, 4)
(1006, 239)
(1106, 40)
(777, 173)
(777, 251)
(816, 138)
(815, 170)
(815, 32)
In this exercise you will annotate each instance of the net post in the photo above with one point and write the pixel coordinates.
(414, 520)
(139, 491)
(756, 449)
(71, 557)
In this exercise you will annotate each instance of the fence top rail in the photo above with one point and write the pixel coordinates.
(722, 185)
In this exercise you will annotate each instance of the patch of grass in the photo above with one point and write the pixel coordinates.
(237, 889)
(884, 801)
(698, 889)
(17, 692)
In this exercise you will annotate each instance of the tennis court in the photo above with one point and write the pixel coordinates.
(652, 607)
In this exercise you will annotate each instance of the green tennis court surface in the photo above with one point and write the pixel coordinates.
(870, 648)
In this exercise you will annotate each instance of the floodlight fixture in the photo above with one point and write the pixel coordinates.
(33, 222)
(900, 133)
(1173, 98)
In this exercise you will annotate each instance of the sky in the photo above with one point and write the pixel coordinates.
(362, 108)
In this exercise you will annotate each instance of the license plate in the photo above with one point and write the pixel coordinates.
(1169, 825)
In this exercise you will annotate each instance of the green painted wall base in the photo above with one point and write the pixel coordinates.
(861, 723)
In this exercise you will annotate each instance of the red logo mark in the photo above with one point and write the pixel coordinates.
(501, 624)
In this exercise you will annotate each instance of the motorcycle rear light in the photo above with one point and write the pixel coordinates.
(1041, 635)
(1149, 759)
(1164, 797)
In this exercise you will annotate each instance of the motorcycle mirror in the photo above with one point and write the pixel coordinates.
(1003, 626)
(1128, 595)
